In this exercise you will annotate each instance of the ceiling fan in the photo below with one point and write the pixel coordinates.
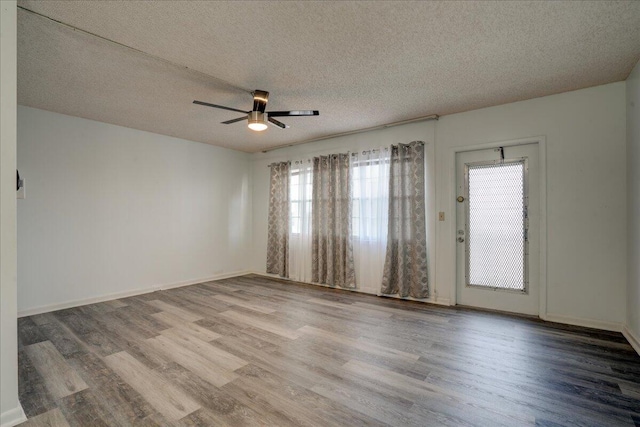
(257, 118)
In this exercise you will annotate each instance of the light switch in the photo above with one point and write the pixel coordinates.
(441, 216)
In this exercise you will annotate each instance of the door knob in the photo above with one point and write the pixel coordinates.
(460, 239)
(460, 199)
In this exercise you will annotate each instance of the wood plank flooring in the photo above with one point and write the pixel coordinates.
(254, 351)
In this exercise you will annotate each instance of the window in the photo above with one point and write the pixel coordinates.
(369, 181)
(300, 187)
(300, 192)
(370, 188)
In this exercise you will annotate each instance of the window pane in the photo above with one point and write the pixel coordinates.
(368, 200)
(295, 225)
(300, 184)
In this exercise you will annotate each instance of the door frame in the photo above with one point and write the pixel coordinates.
(541, 141)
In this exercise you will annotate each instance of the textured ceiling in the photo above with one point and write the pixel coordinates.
(362, 64)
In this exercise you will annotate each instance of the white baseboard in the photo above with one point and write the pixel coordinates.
(207, 279)
(12, 417)
(84, 301)
(262, 273)
(108, 297)
(439, 301)
(587, 323)
(632, 338)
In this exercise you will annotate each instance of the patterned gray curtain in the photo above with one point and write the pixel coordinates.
(278, 228)
(332, 248)
(405, 265)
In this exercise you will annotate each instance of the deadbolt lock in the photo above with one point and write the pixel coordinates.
(460, 199)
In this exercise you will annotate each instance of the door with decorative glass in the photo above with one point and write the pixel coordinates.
(497, 238)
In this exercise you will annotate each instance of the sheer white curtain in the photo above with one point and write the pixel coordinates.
(300, 186)
(370, 175)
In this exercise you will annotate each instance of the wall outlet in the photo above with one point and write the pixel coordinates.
(441, 216)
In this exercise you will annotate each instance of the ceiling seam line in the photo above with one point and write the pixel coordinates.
(159, 58)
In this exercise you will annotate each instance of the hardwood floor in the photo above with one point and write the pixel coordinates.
(256, 351)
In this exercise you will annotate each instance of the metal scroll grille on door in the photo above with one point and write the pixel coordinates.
(497, 225)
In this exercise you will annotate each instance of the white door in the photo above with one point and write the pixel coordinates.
(497, 237)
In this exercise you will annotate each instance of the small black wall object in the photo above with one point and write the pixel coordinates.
(18, 181)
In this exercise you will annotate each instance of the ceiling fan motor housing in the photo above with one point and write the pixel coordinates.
(260, 99)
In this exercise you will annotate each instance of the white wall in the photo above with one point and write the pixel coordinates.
(633, 200)
(10, 409)
(586, 208)
(111, 210)
(422, 131)
(586, 218)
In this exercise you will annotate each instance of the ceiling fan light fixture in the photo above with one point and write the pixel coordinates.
(257, 121)
(257, 118)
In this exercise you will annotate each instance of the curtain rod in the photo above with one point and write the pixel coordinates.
(336, 135)
(353, 154)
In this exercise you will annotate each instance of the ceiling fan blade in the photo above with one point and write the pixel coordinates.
(260, 99)
(206, 104)
(293, 113)
(278, 123)
(228, 122)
